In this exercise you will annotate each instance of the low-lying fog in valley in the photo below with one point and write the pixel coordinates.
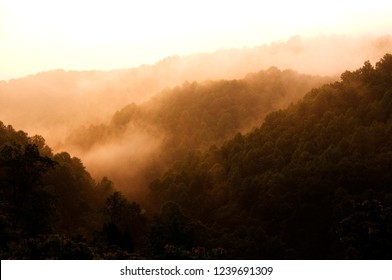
(75, 111)
(195, 129)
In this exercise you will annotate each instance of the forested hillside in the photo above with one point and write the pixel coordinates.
(312, 182)
(50, 207)
(53, 103)
(191, 117)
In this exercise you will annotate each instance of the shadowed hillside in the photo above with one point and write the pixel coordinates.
(192, 117)
(311, 182)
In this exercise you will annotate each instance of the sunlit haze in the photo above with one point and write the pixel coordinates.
(238, 129)
(83, 35)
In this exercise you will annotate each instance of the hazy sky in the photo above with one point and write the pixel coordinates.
(43, 35)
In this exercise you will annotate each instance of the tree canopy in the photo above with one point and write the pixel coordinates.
(312, 181)
(296, 180)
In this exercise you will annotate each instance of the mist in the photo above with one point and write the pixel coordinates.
(57, 104)
(123, 160)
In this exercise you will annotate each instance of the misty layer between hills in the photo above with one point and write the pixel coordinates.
(311, 182)
(151, 136)
(74, 110)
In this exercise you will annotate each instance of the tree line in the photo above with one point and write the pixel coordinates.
(312, 182)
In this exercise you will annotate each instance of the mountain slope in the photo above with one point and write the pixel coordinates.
(53, 103)
(313, 182)
(191, 117)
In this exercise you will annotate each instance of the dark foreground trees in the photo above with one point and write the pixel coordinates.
(49, 205)
(312, 182)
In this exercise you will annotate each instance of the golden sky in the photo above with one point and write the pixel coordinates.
(43, 35)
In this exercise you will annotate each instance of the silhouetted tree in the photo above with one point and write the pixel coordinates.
(31, 204)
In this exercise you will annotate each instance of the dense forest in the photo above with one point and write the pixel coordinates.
(312, 181)
(146, 138)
